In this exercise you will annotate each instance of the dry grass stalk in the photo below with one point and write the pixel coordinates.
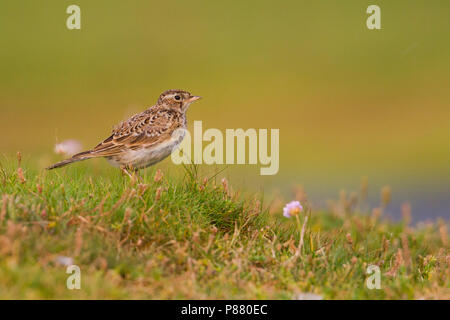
(3, 212)
(302, 235)
(299, 193)
(348, 236)
(21, 175)
(406, 252)
(125, 196)
(158, 193)
(398, 262)
(78, 241)
(226, 187)
(19, 159)
(364, 188)
(406, 213)
(444, 234)
(386, 195)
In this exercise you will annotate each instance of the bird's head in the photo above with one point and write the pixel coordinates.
(177, 99)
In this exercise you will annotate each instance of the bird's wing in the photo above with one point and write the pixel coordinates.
(142, 130)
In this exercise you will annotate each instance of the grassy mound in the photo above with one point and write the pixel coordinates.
(165, 238)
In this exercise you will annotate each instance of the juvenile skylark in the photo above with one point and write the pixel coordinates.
(146, 138)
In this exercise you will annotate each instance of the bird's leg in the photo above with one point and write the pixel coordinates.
(132, 173)
(125, 171)
(136, 174)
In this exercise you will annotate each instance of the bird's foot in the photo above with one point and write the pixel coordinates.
(125, 171)
(132, 173)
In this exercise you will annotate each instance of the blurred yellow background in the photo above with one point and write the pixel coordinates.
(349, 102)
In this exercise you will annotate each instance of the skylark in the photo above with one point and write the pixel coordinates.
(146, 138)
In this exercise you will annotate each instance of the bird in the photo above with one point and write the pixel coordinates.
(144, 139)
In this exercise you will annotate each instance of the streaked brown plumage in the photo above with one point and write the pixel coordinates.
(147, 137)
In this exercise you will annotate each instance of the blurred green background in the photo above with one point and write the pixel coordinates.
(349, 102)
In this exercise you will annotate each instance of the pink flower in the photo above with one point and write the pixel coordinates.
(68, 147)
(293, 208)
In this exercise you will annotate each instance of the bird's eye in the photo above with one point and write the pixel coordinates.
(177, 98)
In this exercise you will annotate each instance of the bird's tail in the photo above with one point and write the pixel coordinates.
(78, 157)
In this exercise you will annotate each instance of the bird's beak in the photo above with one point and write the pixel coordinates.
(193, 98)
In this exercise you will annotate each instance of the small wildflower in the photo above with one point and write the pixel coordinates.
(68, 147)
(307, 296)
(63, 261)
(293, 208)
(203, 185)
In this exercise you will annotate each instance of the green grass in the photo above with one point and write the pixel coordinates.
(181, 238)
